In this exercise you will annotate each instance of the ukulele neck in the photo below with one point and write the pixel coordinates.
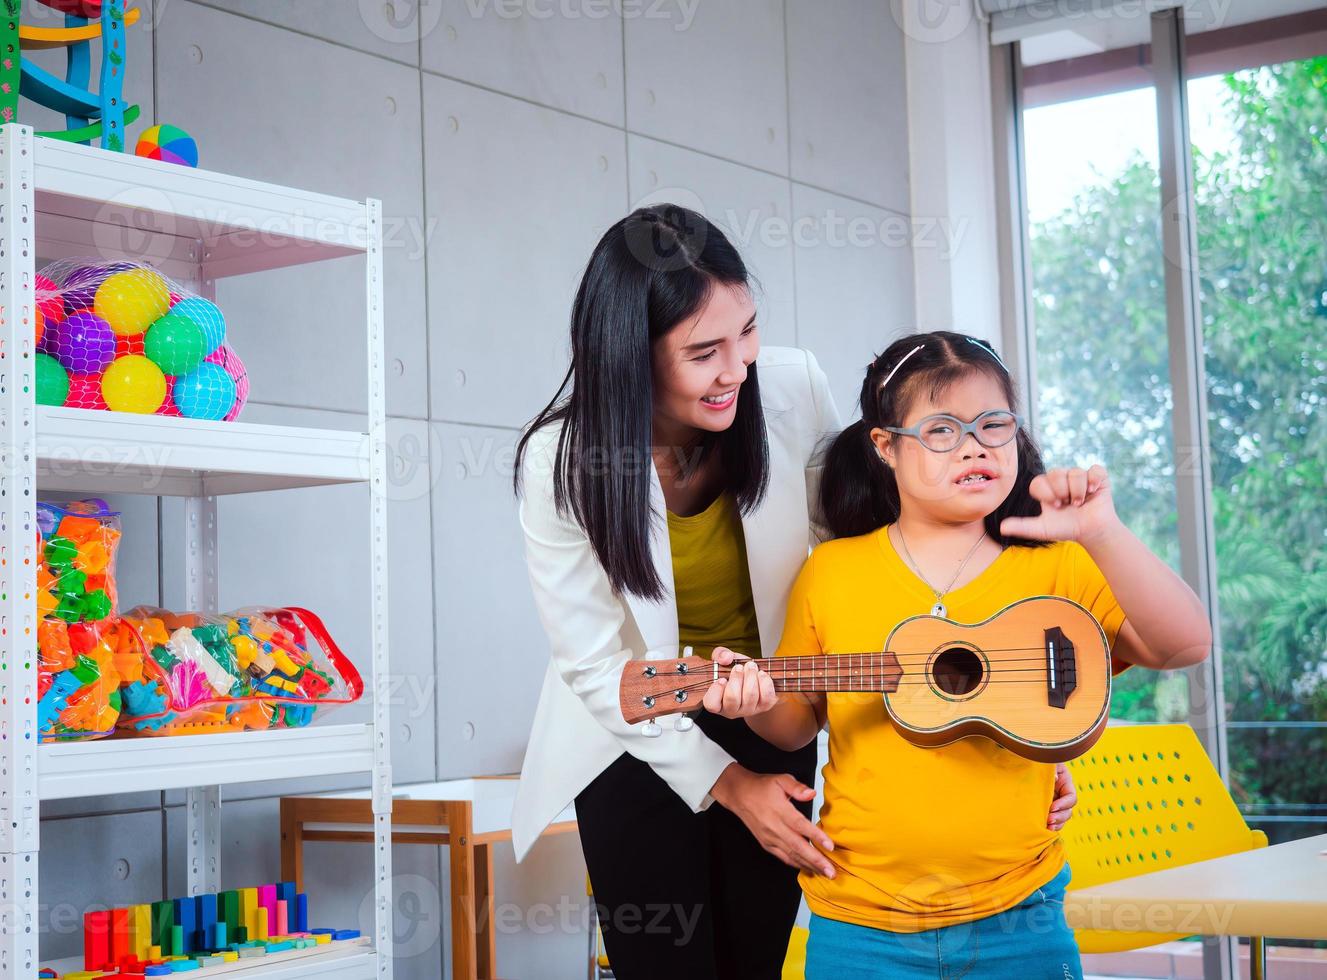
(836, 672)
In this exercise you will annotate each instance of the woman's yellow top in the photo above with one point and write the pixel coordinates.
(925, 838)
(711, 580)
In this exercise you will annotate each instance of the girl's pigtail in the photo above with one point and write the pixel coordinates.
(857, 490)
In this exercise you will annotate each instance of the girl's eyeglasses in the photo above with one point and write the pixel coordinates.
(942, 433)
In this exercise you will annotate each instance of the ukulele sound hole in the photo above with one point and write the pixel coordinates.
(957, 671)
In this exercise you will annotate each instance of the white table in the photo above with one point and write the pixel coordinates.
(1278, 891)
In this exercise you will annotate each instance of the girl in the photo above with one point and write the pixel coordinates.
(938, 503)
(664, 500)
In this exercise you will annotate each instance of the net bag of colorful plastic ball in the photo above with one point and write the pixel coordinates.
(121, 336)
(84, 652)
(254, 668)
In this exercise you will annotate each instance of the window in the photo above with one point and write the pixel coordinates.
(1099, 316)
(1260, 165)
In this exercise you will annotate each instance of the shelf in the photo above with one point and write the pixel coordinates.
(109, 452)
(91, 201)
(347, 960)
(62, 200)
(101, 767)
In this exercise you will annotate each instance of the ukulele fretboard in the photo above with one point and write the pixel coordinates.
(840, 672)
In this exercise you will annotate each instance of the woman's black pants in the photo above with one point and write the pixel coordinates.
(683, 895)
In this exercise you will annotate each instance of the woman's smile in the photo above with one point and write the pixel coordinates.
(721, 401)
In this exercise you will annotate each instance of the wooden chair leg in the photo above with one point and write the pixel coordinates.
(461, 851)
(292, 844)
(486, 935)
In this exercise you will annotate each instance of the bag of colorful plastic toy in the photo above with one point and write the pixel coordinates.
(254, 668)
(123, 337)
(83, 651)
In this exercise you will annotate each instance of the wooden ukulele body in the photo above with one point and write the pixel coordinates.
(1035, 677)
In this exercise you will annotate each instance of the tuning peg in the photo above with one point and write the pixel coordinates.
(683, 723)
(651, 729)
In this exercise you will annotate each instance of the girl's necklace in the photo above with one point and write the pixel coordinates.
(939, 608)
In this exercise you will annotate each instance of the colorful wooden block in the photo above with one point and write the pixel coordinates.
(163, 917)
(230, 910)
(186, 920)
(206, 924)
(267, 900)
(249, 910)
(97, 940)
(142, 929)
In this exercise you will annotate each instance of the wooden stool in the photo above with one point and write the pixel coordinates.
(464, 815)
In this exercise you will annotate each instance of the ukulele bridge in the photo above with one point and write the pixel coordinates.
(1061, 668)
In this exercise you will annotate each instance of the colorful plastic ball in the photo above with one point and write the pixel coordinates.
(132, 301)
(133, 384)
(207, 315)
(168, 407)
(83, 274)
(207, 393)
(52, 380)
(82, 342)
(176, 343)
(132, 344)
(49, 301)
(38, 324)
(85, 392)
(228, 359)
(169, 143)
(79, 289)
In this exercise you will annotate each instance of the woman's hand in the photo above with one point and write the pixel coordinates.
(1076, 505)
(746, 691)
(765, 805)
(1066, 798)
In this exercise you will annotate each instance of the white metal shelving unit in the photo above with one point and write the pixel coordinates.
(59, 200)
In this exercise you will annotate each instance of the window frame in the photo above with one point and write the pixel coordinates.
(1197, 537)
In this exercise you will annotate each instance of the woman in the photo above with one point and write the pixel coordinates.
(665, 498)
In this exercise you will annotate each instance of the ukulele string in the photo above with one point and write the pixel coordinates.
(793, 667)
(790, 662)
(837, 680)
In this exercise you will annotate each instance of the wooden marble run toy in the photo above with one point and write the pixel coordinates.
(100, 115)
(202, 932)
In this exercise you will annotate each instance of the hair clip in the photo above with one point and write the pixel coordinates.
(897, 366)
(989, 350)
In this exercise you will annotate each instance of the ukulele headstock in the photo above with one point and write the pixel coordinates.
(653, 688)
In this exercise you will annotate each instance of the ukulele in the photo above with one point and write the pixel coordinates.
(1035, 678)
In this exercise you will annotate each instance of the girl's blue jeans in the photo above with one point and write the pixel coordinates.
(1027, 942)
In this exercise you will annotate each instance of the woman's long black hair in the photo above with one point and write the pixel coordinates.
(858, 491)
(651, 271)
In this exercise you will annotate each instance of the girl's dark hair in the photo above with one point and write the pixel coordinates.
(651, 271)
(858, 491)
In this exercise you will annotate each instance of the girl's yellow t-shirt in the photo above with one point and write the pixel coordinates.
(926, 838)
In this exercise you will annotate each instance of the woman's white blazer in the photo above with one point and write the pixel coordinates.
(578, 728)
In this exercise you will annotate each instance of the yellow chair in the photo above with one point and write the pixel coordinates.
(794, 966)
(598, 958)
(1148, 798)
